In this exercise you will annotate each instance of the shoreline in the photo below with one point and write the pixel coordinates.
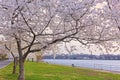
(100, 70)
(114, 72)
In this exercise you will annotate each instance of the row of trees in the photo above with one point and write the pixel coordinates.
(3, 52)
(3, 56)
(35, 25)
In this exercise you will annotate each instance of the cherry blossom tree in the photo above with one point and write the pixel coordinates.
(43, 23)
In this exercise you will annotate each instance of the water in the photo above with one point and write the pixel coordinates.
(109, 65)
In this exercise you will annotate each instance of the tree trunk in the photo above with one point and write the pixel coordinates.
(21, 70)
(15, 65)
(21, 58)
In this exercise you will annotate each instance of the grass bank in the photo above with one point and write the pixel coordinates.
(44, 71)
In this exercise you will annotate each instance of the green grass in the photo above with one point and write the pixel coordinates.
(44, 71)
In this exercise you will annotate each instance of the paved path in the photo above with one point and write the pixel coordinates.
(4, 63)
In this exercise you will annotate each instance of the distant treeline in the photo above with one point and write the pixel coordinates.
(83, 56)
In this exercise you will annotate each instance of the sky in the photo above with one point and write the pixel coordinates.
(92, 49)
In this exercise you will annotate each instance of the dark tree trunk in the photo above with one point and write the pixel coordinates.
(15, 63)
(21, 59)
(21, 70)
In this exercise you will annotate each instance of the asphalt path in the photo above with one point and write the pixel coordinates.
(5, 63)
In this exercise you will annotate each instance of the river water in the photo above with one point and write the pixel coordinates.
(109, 65)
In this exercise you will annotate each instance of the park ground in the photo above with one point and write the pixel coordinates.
(45, 71)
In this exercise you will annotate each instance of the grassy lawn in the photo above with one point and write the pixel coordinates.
(44, 71)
